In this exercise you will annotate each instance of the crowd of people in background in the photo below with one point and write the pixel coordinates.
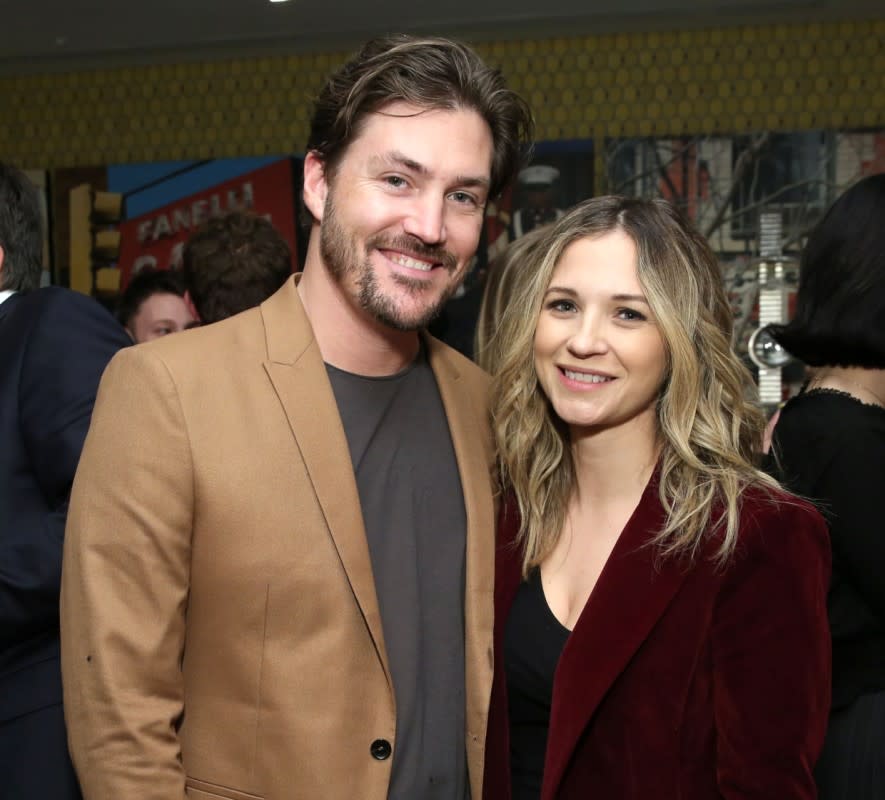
(262, 535)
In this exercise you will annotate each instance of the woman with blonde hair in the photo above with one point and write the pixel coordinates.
(661, 625)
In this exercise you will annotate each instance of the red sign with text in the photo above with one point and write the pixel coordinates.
(157, 238)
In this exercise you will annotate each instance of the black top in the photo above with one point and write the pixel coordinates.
(416, 524)
(533, 642)
(831, 449)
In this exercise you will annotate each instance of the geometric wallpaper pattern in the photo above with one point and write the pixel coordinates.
(716, 80)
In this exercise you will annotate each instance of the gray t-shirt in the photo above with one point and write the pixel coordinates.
(413, 510)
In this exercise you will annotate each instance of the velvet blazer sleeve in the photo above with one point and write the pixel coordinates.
(771, 655)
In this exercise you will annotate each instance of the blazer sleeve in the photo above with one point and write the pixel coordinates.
(771, 655)
(66, 351)
(125, 586)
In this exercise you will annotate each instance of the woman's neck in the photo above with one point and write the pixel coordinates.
(615, 462)
(866, 385)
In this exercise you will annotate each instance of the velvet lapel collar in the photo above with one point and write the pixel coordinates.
(632, 593)
(296, 370)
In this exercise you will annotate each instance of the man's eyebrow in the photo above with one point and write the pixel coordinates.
(396, 158)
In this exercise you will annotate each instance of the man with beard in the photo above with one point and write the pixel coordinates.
(278, 564)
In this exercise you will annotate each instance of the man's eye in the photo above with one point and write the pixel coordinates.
(463, 197)
(396, 181)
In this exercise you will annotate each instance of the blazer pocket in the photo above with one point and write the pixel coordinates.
(203, 789)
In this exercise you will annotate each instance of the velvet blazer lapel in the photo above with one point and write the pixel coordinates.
(630, 596)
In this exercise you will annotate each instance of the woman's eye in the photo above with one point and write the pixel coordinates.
(564, 306)
(630, 315)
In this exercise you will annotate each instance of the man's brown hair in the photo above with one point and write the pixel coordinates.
(234, 262)
(430, 73)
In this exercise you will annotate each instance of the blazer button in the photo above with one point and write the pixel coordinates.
(380, 749)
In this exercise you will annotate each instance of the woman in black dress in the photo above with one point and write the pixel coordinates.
(829, 445)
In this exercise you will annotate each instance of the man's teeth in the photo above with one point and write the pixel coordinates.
(411, 263)
(585, 377)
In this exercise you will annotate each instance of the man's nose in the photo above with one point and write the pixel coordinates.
(426, 219)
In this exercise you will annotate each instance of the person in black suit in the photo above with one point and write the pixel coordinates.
(54, 345)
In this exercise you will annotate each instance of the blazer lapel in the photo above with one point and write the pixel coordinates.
(631, 595)
(296, 370)
(472, 443)
(7, 304)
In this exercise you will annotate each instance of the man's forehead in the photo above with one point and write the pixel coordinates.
(386, 136)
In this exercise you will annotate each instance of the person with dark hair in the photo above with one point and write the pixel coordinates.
(154, 305)
(660, 621)
(829, 445)
(54, 345)
(21, 229)
(296, 600)
(233, 262)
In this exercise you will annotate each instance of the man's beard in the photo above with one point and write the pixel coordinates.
(340, 254)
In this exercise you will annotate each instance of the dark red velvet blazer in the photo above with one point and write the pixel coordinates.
(683, 682)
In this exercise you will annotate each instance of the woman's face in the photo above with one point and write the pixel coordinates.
(599, 354)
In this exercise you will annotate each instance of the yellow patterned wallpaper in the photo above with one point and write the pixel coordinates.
(779, 77)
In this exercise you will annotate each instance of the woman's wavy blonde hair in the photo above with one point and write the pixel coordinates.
(709, 428)
(507, 269)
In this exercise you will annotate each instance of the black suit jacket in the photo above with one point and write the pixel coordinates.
(54, 346)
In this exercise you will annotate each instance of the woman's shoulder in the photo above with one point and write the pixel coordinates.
(830, 413)
(777, 521)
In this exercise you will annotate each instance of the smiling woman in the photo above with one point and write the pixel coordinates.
(660, 624)
(599, 355)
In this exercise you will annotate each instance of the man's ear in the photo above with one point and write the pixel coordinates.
(189, 302)
(316, 187)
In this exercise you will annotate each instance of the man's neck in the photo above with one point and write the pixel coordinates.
(349, 338)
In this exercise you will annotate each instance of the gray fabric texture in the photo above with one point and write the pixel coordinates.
(413, 510)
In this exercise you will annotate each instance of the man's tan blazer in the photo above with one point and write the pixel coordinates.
(220, 628)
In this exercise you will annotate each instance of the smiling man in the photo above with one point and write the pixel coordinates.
(278, 566)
